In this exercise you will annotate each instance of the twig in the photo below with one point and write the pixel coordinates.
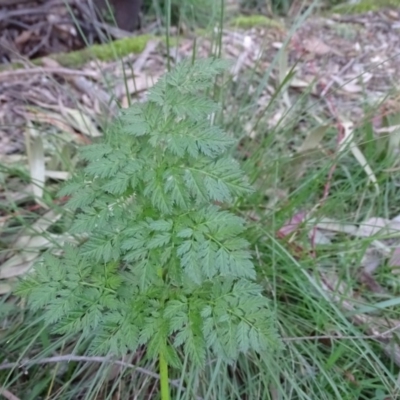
(332, 81)
(42, 43)
(4, 3)
(71, 357)
(151, 46)
(4, 15)
(362, 337)
(8, 395)
(50, 70)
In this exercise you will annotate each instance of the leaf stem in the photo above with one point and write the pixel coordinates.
(164, 381)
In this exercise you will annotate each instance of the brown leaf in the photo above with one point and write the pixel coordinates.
(316, 46)
(293, 223)
(23, 37)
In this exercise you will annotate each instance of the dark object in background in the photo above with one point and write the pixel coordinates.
(126, 12)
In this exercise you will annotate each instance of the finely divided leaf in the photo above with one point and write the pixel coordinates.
(158, 265)
(159, 240)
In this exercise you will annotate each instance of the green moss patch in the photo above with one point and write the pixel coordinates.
(365, 6)
(254, 21)
(103, 52)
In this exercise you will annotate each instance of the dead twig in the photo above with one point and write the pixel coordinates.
(8, 395)
(382, 335)
(48, 70)
(19, 12)
(4, 3)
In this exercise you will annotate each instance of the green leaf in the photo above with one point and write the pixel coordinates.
(94, 152)
(128, 338)
(118, 184)
(191, 106)
(212, 141)
(99, 248)
(58, 309)
(157, 92)
(192, 78)
(134, 122)
(157, 265)
(176, 188)
(158, 197)
(161, 225)
(195, 184)
(159, 240)
(207, 255)
(176, 313)
(85, 197)
(71, 188)
(185, 233)
(195, 347)
(103, 168)
(243, 337)
(188, 253)
(221, 179)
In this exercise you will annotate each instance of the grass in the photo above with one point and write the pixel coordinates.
(327, 353)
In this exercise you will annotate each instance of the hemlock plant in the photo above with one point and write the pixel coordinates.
(162, 265)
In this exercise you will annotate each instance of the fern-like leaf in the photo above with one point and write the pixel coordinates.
(158, 265)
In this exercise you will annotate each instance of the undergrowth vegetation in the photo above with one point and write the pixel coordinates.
(161, 259)
(214, 253)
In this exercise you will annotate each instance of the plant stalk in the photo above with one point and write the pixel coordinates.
(164, 381)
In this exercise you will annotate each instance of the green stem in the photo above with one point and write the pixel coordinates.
(164, 381)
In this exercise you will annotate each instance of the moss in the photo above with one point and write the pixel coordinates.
(103, 52)
(365, 6)
(253, 21)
